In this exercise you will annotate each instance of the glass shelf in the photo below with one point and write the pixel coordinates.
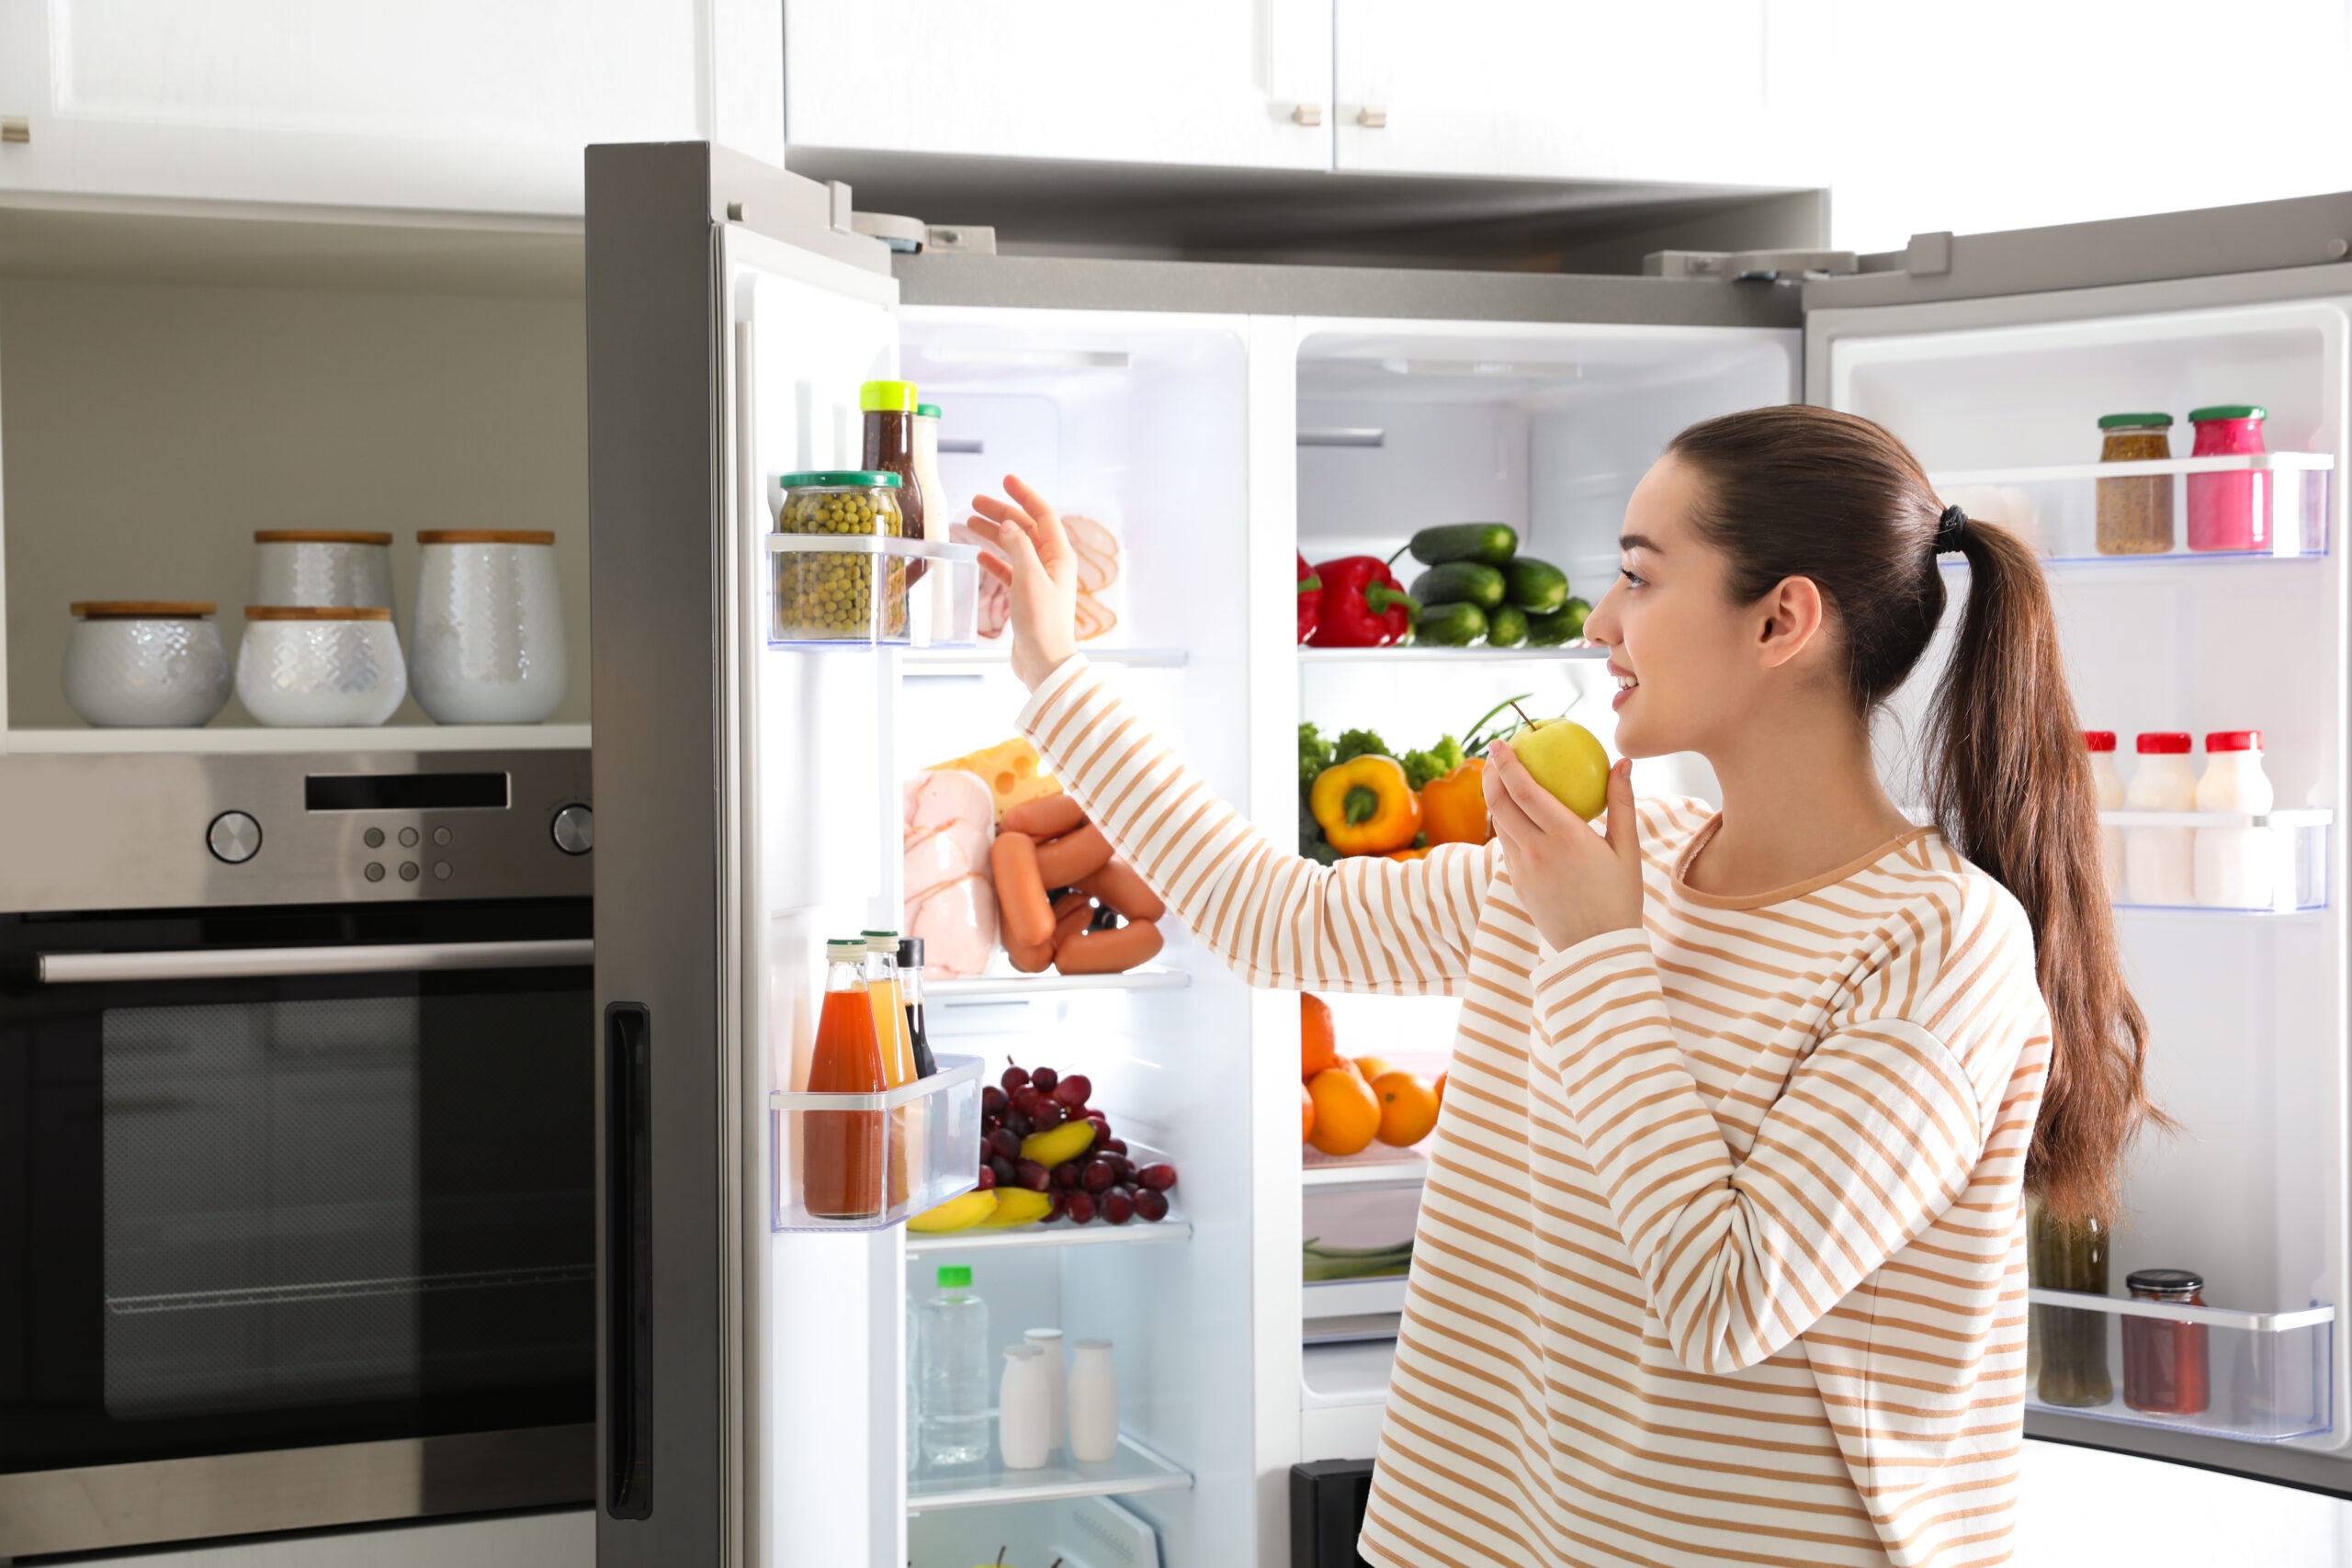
(1055, 1233)
(1445, 655)
(1387, 1170)
(870, 1160)
(989, 656)
(1011, 985)
(2057, 504)
(1133, 1469)
(2266, 1373)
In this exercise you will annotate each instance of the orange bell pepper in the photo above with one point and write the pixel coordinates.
(1453, 808)
(1364, 806)
(1405, 854)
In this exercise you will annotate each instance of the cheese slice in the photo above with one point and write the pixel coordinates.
(1013, 770)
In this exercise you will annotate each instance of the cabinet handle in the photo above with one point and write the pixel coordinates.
(629, 1261)
(16, 128)
(1372, 117)
(1308, 114)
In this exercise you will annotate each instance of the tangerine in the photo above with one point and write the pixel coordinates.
(1371, 1067)
(1347, 1113)
(1407, 1108)
(1438, 1089)
(1318, 1043)
(1306, 1114)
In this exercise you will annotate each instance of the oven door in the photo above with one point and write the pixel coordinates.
(296, 1210)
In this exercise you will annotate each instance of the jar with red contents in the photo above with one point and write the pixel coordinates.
(2165, 1371)
(2229, 511)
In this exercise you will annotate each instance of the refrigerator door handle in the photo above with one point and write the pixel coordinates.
(270, 963)
(629, 1261)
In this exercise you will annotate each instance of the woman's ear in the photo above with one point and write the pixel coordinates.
(1791, 620)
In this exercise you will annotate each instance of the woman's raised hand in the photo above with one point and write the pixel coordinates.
(1573, 883)
(1035, 560)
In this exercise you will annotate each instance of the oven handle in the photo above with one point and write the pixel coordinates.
(268, 963)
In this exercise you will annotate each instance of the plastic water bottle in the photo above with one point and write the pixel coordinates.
(955, 1372)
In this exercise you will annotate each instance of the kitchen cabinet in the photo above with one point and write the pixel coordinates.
(1576, 90)
(437, 104)
(1239, 82)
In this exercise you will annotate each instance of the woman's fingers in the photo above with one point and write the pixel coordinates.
(1625, 826)
(1044, 523)
(1539, 805)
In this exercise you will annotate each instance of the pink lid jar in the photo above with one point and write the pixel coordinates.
(2230, 511)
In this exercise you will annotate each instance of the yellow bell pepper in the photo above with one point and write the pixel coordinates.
(1364, 806)
(1453, 808)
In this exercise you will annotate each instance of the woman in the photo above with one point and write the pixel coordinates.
(1721, 1257)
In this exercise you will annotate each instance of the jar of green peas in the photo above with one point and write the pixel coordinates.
(844, 591)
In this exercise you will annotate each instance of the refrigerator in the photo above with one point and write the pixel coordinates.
(1221, 420)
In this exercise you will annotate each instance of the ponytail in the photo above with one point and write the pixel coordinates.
(1801, 492)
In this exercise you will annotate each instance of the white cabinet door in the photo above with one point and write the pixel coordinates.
(1217, 82)
(1560, 89)
(446, 103)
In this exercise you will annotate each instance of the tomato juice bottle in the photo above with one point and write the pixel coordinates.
(843, 1152)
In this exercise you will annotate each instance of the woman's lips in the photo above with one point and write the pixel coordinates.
(1627, 685)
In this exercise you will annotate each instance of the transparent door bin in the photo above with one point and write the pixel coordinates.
(832, 589)
(867, 1161)
(2056, 506)
(2298, 842)
(2267, 1374)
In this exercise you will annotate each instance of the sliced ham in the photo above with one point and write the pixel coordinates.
(951, 904)
(996, 599)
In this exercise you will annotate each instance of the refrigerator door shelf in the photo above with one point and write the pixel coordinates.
(2298, 845)
(908, 1149)
(1133, 1469)
(830, 589)
(2055, 506)
(2268, 1373)
(984, 986)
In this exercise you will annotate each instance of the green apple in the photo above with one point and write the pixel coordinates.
(1565, 757)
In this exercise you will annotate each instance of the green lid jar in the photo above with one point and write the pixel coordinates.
(839, 595)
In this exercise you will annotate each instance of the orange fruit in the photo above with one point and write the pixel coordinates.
(1438, 1089)
(1407, 1108)
(1371, 1067)
(1347, 1113)
(1306, 1114)
(1318, 1046)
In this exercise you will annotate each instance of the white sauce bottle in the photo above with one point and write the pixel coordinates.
(2160, 864)
(1023, 1423)
(1093, 1404)
(2237, 868)
(2109, 784)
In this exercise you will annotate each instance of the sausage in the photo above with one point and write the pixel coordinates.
(1030, 958)
(1074, 854)
(1047, 816)
(1079, 917)
(1073, 899)
(1021, 891)
(1121, 887)
(1108, 952)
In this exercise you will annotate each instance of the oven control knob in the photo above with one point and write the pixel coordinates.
(234, 837)
(575, 829)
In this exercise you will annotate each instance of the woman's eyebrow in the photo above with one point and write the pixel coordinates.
(1628, 542)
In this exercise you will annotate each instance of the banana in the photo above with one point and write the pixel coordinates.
(956, 1213)
(1056, 1145)
(1017, 1206)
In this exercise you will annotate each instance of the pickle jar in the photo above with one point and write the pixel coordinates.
(2062, 1256)
(846, 589)
(2135, 512)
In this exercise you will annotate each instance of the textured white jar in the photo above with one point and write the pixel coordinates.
(322, 569)
(1094, 1402)
(1024, 1418)
(486, 643)
(145, 664)
(302, 666)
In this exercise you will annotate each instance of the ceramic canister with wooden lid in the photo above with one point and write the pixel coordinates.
(486, 644)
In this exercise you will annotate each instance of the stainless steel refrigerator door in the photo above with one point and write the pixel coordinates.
(717, 286)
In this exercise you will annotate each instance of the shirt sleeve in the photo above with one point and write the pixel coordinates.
(1367, 924)
(1873, 1137)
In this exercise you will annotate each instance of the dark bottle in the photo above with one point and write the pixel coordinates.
(889, 409)
(910, 989)
(2165, 1367)
(2062, 1257)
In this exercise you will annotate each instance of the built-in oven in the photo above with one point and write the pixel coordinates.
(296, 1142)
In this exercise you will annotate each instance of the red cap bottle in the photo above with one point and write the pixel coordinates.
(2165, 743)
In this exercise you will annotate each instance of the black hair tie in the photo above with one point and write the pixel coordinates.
(1951, 529)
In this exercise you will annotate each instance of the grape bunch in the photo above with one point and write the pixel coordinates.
(1037, 1131)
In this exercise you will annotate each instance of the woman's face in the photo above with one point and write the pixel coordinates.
(1685, 656)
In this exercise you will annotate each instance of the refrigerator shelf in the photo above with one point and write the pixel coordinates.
(2054, 473)
(1133, 1469)
(1444, 655)
(2268, 1373)
(1324, 1170)
(2300, 817)
(1057, 1233)
(2296, 846)
(982, 660)
(983, 985)
(883, 1155)
(2058, 504)
(1351, 1298)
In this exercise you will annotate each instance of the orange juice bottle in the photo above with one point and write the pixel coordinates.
(843, 1152)
(897, 1054)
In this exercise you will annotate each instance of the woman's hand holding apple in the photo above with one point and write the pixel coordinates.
(1573, 883)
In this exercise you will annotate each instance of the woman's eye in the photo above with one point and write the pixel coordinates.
(1632, 579)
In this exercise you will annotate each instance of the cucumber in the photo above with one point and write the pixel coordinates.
(1459, 582)
(1492, 542)
(1450, 625)
(1506, 628)
(1536, 586)
(1562, 626)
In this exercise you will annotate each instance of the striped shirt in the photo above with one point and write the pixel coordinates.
(1721, 1257)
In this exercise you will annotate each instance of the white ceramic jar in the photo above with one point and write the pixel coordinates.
(1094, 1402)
(2160, 864)
(487, 638)
(145, 664)
(305, 666)
(322, 568)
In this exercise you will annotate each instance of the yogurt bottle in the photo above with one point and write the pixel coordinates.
(2160, 864)
(2108, 784)
(2236, 868)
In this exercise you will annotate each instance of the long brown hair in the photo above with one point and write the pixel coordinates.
(1803, 491)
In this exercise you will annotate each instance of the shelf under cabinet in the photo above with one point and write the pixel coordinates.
(241, 741)
(1133, 1469)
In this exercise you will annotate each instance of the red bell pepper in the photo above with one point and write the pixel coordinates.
(1310, 599)
(1363, 606)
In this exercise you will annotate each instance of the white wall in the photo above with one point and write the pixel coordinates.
(2006, 114)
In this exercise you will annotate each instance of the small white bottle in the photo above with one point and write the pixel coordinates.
(1022, 1420)
(2109, 785)
(2160, 864)
(1049, 1344)
(1094, 1402)
(2237, 868)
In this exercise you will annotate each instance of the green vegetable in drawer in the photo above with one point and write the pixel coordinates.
(1459, 582)
(1536, 586)
(1492, 542)
(1450, 625)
